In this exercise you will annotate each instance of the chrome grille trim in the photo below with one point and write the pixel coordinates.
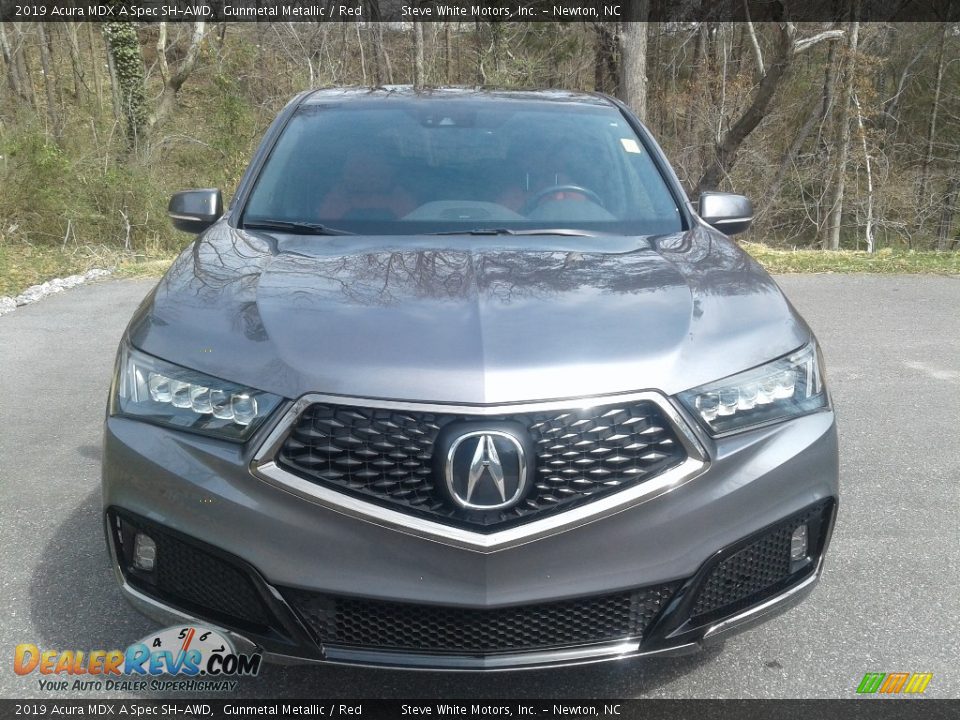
(265, 468)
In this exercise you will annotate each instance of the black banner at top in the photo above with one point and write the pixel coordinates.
(467, 11)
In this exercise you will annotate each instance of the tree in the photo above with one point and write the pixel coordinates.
(633, 58)
(725, 152)
(418, 64)
(605, 58)
(173, 81)
(817, 113)
(831, 236)
(18, 83)
(127, 65)
(949, 207)
(932, 125)
(53, 114)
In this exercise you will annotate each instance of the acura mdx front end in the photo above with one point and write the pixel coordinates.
(460, 380)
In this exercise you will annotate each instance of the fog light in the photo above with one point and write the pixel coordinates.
(798, 544)
(144, 552)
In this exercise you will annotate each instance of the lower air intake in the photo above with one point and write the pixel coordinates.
(191, 578)
(761, 568)
(391, 626)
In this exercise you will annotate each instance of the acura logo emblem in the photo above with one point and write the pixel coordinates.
(486, 470)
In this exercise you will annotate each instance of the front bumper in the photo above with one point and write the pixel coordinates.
(201, 493)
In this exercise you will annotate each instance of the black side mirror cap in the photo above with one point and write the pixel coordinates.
(193, 211)
(728, 213)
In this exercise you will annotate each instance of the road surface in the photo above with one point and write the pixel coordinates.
(888, 600)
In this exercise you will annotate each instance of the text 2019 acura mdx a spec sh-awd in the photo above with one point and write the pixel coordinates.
(462, 380)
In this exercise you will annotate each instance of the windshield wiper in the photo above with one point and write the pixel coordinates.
(507, 231)
(290, 226)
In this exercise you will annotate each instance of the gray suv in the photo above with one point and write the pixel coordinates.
(461, 380)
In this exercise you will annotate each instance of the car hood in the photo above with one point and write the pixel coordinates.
(464, 319)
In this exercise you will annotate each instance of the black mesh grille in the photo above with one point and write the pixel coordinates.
(760, 568)
(354, 622)
(387, 456)
(191, 578)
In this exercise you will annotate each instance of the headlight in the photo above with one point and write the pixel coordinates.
(785, 388)
(152, 389)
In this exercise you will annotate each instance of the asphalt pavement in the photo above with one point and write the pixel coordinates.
(888, 600)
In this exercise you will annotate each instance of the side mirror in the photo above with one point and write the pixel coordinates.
(193, 211)
(728, 213)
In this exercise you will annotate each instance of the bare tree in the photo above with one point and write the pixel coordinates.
(633, 57)
(418, 64)
(728, 145)
(381, 58)
(949, 208)
(932, 126)
(18, 84)
(174, 80)
(868, 227)
(831, 236)
(818, 113)
(53, 114)
(605, 58)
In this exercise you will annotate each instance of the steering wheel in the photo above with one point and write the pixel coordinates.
(533, 202)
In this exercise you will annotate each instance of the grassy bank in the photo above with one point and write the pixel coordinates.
(885, 260)
(24, 265)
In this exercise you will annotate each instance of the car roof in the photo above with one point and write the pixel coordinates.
(407, 92)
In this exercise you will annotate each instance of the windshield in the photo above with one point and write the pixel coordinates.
(407, 167)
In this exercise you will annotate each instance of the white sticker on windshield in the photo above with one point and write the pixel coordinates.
(630, 145)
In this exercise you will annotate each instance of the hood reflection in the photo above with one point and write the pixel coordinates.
(466, 319)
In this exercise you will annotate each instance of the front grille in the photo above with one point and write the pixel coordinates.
(191, 578)
(387, 456)
(761, 568)
(373, 624)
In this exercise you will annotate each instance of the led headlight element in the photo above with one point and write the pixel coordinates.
(152, 389)
(785, 388)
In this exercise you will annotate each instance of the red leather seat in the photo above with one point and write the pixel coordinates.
(367, 188)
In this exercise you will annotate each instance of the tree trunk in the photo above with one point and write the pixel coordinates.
(868, 230)
(14, 78)
(46, 64)
(76, 63)
(22, 59)
(114, 83)
(922, 204)
(700, 65)
(759, 69)
(831, 237)
(125, 54)
(381, 60)
(818, 113)
(605, 59)
(633, 58)
(94, 65)
(945, 226)
(447, 53)
(725, 151)
(363, 60)
(172, 83)
(418, 67)
(478, 36)
(891, 110)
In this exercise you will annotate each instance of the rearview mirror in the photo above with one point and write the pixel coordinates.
(728, 213)
(193, 211)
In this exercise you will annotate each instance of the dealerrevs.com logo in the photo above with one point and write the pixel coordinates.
(198, 659)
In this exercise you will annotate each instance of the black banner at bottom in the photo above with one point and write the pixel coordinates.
(899, 709)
